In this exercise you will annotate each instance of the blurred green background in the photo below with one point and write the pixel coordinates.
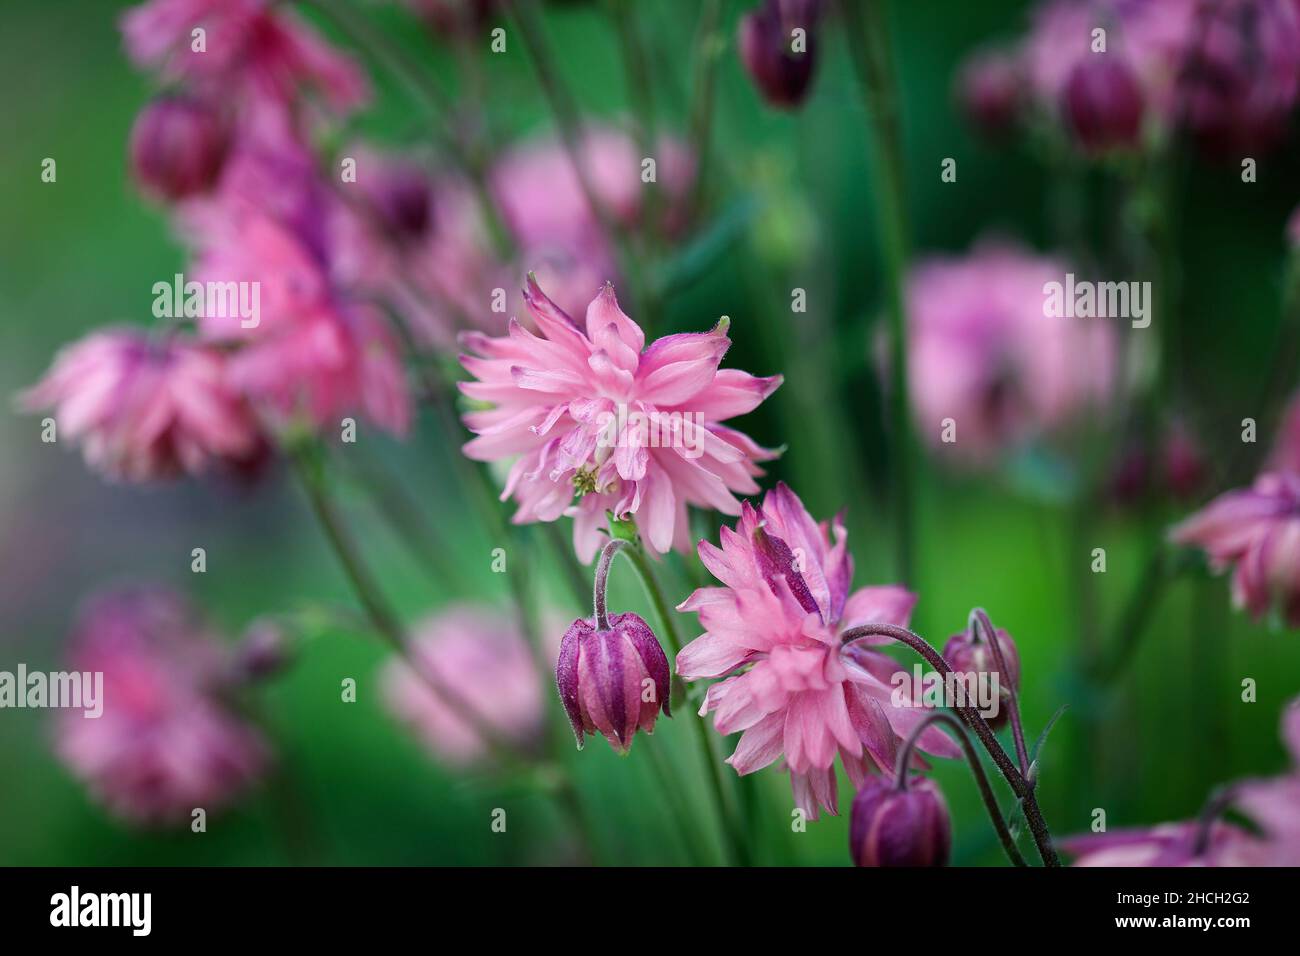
(353, 787)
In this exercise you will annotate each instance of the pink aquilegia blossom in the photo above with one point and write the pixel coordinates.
(167, 741)
(599, 422)
(1255, 531)
(990, 370)
(1270, 804)
(774, 631)
(257, 51)
(483, 659)
(145, 407)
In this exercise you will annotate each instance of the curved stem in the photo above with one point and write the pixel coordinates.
(600, 608)
(1022, 787)
(979, 618)
(1214, 808)
(977, 769)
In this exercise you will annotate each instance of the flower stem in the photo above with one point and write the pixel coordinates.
(977, 769)
(979, 618)
(1019, 783)
(869, 42)
(735, 836)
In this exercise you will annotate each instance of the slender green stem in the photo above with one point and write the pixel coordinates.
(977, 770)
(667, 626)
(1022, 786)
(709, 46)
(870, 43)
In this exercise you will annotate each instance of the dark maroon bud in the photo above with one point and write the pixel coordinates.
(612, 681)
(263, 652)
(900, 826)
(1103, 104)
(178, 145)
(990, 92)
(778, 47)
(403, 200)
(1184, 462)
(969, 653)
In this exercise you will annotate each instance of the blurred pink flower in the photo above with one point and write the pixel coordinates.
(314, 353)
(1147, 39)
(1285, 453)
(254, 50)
(1103, 104)
(1257, 532)
(775, 628)
(1168, 844)
(483, 658)
(984, 353)
(1241, 79)
(145, 407)
(167, 741)
(627, 428)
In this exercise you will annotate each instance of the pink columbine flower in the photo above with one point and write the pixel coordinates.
(313, 354)
(1188, 843)
(264, 56)
(483, 659)
(774, 631)
(145, 407)
(989, 367)
(595, 415)
(168, 741)
(1256, 531)
(612, 680)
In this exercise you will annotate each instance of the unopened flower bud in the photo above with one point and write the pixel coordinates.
(178, 145)
(895, 826)
(969, 653)
(612, 681)
(990, 92)
(1103, 103)
(263, 652)
(403, 201)
(781, 60)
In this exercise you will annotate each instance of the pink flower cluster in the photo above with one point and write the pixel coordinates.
(169, 739)
(773, 633)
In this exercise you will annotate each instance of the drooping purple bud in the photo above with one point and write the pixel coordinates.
(989, 90)
(614, 681)
(178, 145)
(778, 46)
(403, 200)
(969, 653)
(893, 826)
(1103, 103)
(264, 651)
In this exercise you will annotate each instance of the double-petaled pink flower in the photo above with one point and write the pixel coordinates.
(486, 663)
(145, 407)
(597, 421)
(1256, 532)
(990, 369)
(773, 631)
(168, 740)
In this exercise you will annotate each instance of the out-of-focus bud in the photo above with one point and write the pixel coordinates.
(1103, 103)
(402, 199)
(178, 145)
(778, 46)
(265, 651)
(613, 681)
(989, 91)
(969, 653)
(897, 826)
(1184, 462)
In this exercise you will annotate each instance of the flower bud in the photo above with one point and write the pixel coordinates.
(969, 653)
(1103, 104)
(989, 91)
(178, 145)
(892, 826)
(264, 651)
(612, 681)
(780, 61)
(402, 200)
